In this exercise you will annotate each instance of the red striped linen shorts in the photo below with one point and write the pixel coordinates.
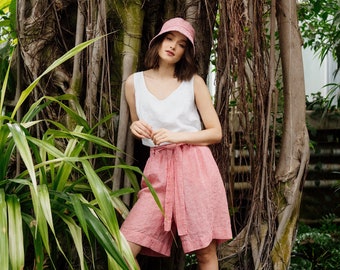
(190, 188)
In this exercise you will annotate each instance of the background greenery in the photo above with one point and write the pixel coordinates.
(55, 209)
(317, 246)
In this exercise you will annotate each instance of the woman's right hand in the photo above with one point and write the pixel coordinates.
(141, 129)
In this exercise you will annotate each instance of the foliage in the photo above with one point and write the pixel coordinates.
(320, 27)
(190, 261)
(317, 248)
(323, 105)
(54, 204)
(7, 38)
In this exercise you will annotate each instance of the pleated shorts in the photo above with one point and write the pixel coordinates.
(193, 201)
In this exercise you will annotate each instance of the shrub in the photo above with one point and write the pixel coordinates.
(317, 247)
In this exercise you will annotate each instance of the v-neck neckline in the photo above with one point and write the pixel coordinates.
(153, 95)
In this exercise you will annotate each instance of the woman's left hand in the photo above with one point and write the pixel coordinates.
(164, 135)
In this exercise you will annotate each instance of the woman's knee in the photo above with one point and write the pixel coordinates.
(134, 248)
(207, 254)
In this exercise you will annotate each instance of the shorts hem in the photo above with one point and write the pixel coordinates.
(150, 246)
(189, 245)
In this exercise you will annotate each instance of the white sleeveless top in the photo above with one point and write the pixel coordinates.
(177, 112)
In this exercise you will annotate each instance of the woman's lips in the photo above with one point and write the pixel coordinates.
(170, 52)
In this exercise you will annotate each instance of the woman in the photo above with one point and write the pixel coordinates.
(172, 112)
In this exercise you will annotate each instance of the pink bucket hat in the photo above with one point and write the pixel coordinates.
(179, 25)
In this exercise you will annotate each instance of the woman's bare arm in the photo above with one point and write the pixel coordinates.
(139, 128)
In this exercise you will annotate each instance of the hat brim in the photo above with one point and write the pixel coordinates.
(178, 25)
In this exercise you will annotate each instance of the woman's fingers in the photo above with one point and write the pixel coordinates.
(141, 129)
(161, 136)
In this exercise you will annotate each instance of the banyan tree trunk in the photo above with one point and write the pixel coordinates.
(274, 185)
(294, 157)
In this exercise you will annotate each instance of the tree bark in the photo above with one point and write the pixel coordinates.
(96, 27)
(131, 15)
(294, 156)
(267, 229)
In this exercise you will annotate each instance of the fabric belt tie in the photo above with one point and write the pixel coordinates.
(174, 193)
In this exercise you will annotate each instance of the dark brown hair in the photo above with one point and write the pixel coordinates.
(185, 68)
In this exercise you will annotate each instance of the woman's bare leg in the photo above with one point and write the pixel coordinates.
(135, 250)
(207, 257)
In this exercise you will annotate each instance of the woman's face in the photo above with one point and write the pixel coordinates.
(172, 47)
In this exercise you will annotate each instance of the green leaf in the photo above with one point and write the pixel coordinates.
(103, 197)
(78, 209)
(78, 116)
(24, 150)
(44, 199)
(3, 232)
(16, 239)
(3, 90)
(69, 54)
(147, 182)
(37, 241)
(34, 109)
(4, 4)
(76, 233)
(104, 237)
(45, 206)
(73, 148)
(6, 150)
(87, 137)
(42, 227)
(107, 213)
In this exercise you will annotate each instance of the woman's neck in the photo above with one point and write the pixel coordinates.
(165, 72)
(165, 69)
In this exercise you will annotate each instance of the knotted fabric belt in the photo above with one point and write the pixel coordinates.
(174, 205)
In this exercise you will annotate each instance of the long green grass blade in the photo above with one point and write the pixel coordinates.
(73, 148)
(120, 206)
(3, 91)
(147, 182)
(102, 195)
(56, 63)
(111, 263)
(24, 150)
(34, 109)
(47, 146)
(4, 253)
(76, 234)
(41, 222)
(128, 254)
(154, 194)
(16, 239)
(45, 204)
(84, 136)
(42, 207)
(5, 150)
(104, 237)
(78, 209)
(37, 241)
(108, 214)
(4, 4)
(78, 116)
